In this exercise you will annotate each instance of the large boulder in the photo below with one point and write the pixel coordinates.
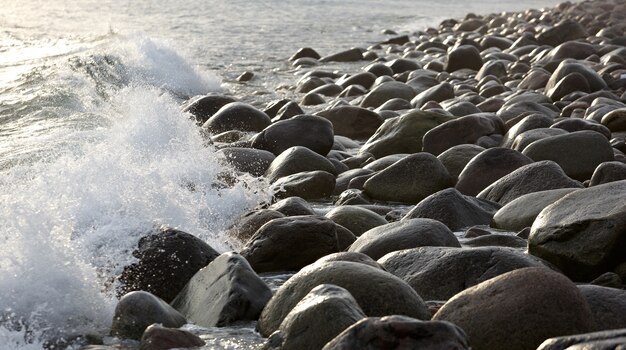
(237, 116)
(578, 153)
(539, 176)
(584, 233)
(439, 273)
(356, 219)
(403, 234)
(166, 262)
(137, 310)
(409, 180)
(608, 306)
(400, 332)
(454, 209)
(320, 316)
(224, 292)
(528, 306)
(522, 212)
(313, 132)
(353, 122)
(307, 185)
(379, 293)
(488, 167)
(402, 134)
(295, 160)
(454, 132)
(290, 243)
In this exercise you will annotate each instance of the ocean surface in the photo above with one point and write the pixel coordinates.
(95, 153)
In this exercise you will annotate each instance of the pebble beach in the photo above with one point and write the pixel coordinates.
(461, 186)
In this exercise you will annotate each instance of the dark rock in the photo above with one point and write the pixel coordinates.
(562, 32)
(248, 224)
(488, 167)
(402, 134)
(464, 56)
(608, 306)
(378, 292)
(456, 158)
(533, 121)
(454, 210)
(249, 160)
(293, 206)
(527, 137)
(535, 177)
(297, 159)
(204, 107)
(329, 90)
(343, 180)
(245, 76)
(307, 185)
(137, 310)
(237, 116)
(312, 132)
(305, 52)
(290, 109)
(355, 218)
(225, 291)
(573, 125)
(290, 243)
(584, 233)
(409, 180)
(615, 120)
(458, 131)
(400, 332)
(378, 69)
(352, 196)
(529, 305)
(577, 153)
(570, 83)
(439, 273)
(365, 79)
(167, 260)
(496, 240)
(351, 55)
(350, 257)
(606, 340)
(320, 316)
(157, 337)
(385, 92)
(436, 93)
(405, 234)
(571, 66)
(353, 122)
(608, 172)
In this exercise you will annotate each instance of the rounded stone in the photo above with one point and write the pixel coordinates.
(353, 122)
(237, 116)
(356, 219)
(313, 132)
(385, 92)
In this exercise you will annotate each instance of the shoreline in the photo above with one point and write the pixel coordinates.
(509, 129)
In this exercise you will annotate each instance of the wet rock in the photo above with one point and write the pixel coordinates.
(308, 84)
(365, 79)
(533, 121)
(439, 273)
(225, 291)
(394, 332)
(378, 69)
(584, 233)
(157, 337)
(403, 134)
(353, 122)
(615, 120)
(247, 225)
(522, 212)
(312, 132)
(355, 218)
(454, 210)
(352, 196)
(496, 240)
(570, 83)
(409, 180)
(535, 177)
(465, 109)
(245, 76)
(204, 107)
(571, 66)
(512, 110)
(167, 259)
(307, 185)
(608, 306)
(405, 234)
(529, 306)
(464, 56)
(350, 257)
(456, 158)
(290, 109)
(293, 206)
(305, 52)
(237, 116)
(401, 65)
(535, 79)
(249, 160)
(351, 55)
(343, 180)
(320, 316)
(290, 243)
(458, 131)
(606, 340)
(578, 153)
(385, 92)
(608, 172)
(297, 159)
(488, 167)
(329, 90)
(527, 137)
(378, 292)
(562, 32)
(395, 104)
(569, 49)
(384, 162)
(137, 310)
(436, 93)
(573, 125)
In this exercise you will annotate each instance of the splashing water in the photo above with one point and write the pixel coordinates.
(70, 219)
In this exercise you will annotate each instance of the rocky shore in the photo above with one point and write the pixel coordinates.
(460, 187)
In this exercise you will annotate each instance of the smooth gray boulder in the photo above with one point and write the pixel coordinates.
(409, 180)
(237, 116)
(320, 316)
(307, 185)
(379, 293)
(454, 209)
(293, 206)
(403, 234)
(385, 92)
(295, 160)
(290, 243)
(529, 306)
(583, 233)
(353, 122)
(467, 129)
(456, 158)
(608, 306)
(400, 332)
(224, 292)
(356, 219)
(608, 172)
(249, 223)
(137, 310)
(439, 273)
(313, 132)
(204, 107)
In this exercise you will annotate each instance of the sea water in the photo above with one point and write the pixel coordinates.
(95, 153)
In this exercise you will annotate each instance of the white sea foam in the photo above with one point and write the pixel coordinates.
(69, 222)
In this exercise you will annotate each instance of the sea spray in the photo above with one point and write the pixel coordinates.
(70, 219)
